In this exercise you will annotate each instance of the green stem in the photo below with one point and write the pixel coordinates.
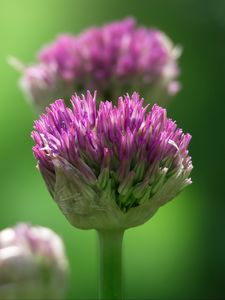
(110, 276)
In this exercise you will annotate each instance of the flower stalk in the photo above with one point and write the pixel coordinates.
(110, 168)
(110, 259)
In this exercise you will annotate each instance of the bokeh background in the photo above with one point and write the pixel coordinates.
(180, 253)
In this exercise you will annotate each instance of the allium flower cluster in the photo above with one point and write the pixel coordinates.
(112, 167)
(33, 264)
(113, 59)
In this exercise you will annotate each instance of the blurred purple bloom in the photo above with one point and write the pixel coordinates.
(33, 264)
(112, 167)
(117, 58)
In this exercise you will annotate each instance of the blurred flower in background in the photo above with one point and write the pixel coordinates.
(110, 168)
(33, 264)
(117, 58)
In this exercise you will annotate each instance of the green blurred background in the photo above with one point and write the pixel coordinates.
(180, 253)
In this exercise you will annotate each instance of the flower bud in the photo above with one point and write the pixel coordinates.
(33, 264)
(110, 168)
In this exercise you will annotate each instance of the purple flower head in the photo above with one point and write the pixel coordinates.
(33, 264)
(116, 58)
(112, 167)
